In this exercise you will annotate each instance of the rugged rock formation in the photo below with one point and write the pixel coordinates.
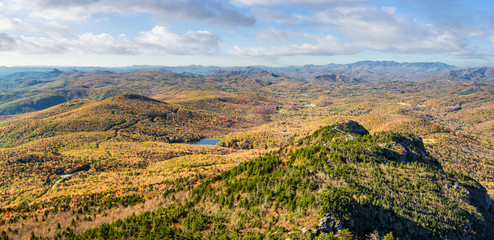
(351, 127)
(327, 225)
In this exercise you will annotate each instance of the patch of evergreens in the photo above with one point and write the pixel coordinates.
(363, 179)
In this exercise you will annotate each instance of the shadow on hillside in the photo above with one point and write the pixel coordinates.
(412, 150)
(369, 218)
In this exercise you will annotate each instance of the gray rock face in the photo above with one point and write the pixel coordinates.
(313, 231)
(327, 225)
(351, 127)
(355, 127)
(408, 149)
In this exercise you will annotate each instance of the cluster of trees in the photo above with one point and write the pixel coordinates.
(346, 179)
(135, 117)
(324, 173)
(351, 180)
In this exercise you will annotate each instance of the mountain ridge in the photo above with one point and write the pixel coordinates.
(130, 116)
(478, 74)
(410, 67)
(359, 186)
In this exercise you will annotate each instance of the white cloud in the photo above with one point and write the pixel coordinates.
(39, 45)
(100, 44)
(273, 34)
(324, 46)
(268, 15)
(16, 25)
(6, 42)
(157, 41)
(51, 38)
(285, 28)
(86, 43)
(492, 40)
(385, 30)
(306, 3)
(203, 11)
(362, 28)
(161, 41)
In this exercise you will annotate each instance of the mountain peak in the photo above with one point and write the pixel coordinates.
(56, 71)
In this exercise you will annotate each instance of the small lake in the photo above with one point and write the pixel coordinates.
(207, 142)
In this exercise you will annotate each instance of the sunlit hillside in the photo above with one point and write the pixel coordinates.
(111, 158)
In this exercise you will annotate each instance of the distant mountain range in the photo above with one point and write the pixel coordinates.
(358, 70)
(336, 78)
(256, 74)
(38, 88)
(370, 70)
(34, 74)
(480, 74)
(370, 150)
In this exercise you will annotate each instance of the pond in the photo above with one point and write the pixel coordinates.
(207, 142)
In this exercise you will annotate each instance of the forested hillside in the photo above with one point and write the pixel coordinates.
(108, 153)
(338, 182)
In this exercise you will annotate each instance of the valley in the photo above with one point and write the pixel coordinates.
(376, 148)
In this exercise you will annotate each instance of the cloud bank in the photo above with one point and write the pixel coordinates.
(237, 28)
(209, 11)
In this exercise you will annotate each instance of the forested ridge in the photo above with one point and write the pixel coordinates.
(114, 154)
(362, 185)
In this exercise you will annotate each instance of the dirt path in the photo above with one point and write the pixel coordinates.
(63, 177)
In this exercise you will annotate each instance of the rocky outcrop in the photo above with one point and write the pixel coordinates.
(408, 149)
(327, 225)
(351, 127)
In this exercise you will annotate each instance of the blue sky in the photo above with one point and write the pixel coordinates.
(244, 32)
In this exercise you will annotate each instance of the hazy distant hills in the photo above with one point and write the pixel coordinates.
(367, 70)
(27, 94)
(333, 78)
(380, 66)
(256, 74)
(34, 75)
(370, 70)
(480, 74)
(40, 88)
(362, 68)
(288, 157)
(129, 117)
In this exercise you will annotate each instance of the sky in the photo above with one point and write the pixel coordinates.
(115, 33)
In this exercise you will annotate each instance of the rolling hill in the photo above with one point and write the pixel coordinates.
(109, 148)
(337, 182)
(130, 117)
